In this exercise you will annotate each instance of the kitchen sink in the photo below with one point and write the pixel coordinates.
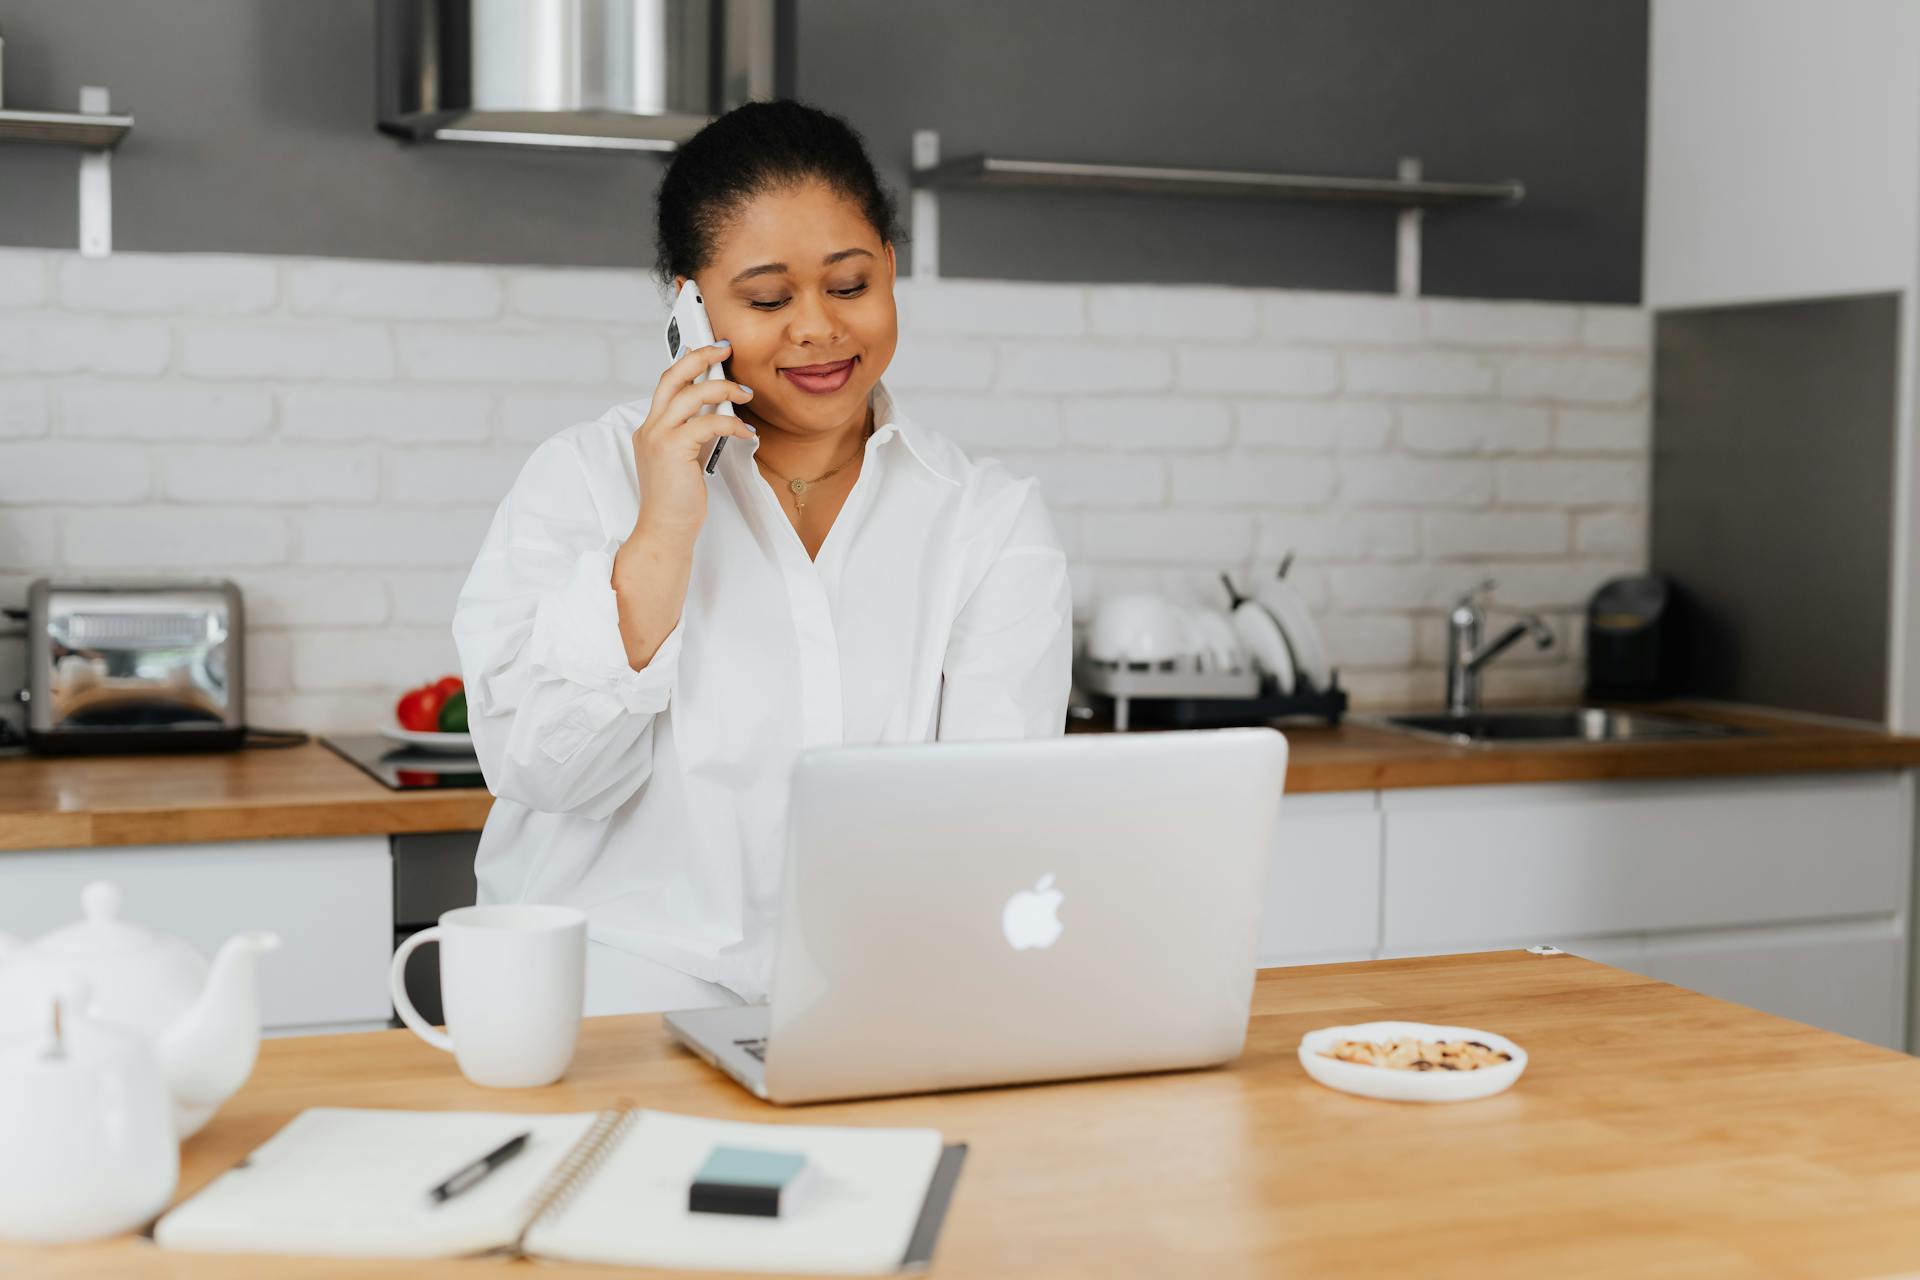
(1555, 724)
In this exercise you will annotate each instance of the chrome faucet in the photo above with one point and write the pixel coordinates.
(1466, 654)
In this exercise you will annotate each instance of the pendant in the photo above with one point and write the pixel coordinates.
(798, 486)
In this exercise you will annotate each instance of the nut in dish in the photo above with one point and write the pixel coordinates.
(1407, 1053)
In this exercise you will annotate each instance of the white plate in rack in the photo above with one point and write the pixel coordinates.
(1222, 648)
(1261, 633)
(1289, 609)
(1409, 1086)
(452, 743)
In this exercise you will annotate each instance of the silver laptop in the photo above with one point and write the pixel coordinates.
(975, 913)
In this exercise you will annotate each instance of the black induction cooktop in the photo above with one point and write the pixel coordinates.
(406, 768)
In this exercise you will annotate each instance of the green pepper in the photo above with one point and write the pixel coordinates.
(453, 713)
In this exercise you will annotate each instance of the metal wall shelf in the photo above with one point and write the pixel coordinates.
(1408, 191)
(991, 171)
(64, 128)
(96, 131)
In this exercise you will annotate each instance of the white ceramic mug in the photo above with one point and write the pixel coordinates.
(511, 979)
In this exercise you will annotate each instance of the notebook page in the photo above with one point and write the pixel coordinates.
(854, 1215)
(353, 1182)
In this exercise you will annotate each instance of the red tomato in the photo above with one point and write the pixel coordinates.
(419, 709)
(448, 686)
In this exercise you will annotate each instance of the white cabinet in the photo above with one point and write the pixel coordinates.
(1845, 976)
(1470, 865)
(1323, 889)
(1788, 894)
(330, 900)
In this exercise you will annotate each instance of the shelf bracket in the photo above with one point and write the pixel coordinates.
(925, 228)
(96, 183)
(1406, 253)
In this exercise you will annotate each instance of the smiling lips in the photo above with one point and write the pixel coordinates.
(820, 379)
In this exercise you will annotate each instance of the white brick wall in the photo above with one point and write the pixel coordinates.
(334, 436)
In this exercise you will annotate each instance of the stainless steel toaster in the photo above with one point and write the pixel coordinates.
(127, 665)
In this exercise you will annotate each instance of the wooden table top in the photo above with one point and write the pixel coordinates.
(1656, 1132)
(85, 802)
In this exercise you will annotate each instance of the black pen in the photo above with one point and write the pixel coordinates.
(479, 1169)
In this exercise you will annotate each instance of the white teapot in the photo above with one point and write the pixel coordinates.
(87, 1147)
(203, 1022)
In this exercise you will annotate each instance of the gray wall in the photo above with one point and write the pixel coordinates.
(255, 134)
(1772, 500)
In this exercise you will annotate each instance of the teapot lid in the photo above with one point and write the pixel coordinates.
(142, 978)
(103, 931)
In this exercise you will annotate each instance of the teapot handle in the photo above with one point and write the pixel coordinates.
(404, 1006)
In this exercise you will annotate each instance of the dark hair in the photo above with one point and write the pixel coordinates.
(756, 148)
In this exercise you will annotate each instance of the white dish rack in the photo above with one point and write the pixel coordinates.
(1189, 697)
(1196, 696)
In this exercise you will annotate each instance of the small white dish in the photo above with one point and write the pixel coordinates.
(448, 742)
(1289, 609)
(1409, 1086)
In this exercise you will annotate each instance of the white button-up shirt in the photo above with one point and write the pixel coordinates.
(656, 800)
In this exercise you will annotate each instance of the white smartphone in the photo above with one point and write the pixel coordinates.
(689, 329)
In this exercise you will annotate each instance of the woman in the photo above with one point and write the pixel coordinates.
(646, 648)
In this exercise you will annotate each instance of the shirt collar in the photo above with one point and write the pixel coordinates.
(889, 421)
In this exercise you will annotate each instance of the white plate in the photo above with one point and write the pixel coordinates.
(1261, 632)
(450, 742)
(1222, 644)
(1289, 608)
(1409, 1086)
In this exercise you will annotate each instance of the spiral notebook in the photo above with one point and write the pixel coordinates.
(606, 1187)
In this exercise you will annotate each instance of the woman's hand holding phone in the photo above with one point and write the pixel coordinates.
(670, 447)
(651, 569)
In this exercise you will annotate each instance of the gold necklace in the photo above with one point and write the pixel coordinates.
(799, 487)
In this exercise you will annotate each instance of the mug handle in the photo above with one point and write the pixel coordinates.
(396, 978)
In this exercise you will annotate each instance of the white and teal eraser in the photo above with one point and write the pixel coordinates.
(745, 1180)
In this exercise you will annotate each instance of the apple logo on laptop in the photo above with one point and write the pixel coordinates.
(1028, 919)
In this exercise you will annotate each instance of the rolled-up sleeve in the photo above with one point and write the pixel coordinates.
(560, 720)
(1009, 658)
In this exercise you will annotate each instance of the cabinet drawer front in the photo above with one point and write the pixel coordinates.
(1323, 887)
(1617, 858)
(1847, 976)
(1850, 984)
(330, 900)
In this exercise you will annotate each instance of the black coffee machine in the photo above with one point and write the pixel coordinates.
(1633, 639)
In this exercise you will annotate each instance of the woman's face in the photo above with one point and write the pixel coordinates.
(801, 278)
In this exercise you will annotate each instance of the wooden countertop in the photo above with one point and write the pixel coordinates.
(65, 802)
(81, 802)
(1358, 756)
(1656, 1132)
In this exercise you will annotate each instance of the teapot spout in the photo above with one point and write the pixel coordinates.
(208, 1052)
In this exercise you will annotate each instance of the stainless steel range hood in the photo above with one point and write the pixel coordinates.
(605, 75)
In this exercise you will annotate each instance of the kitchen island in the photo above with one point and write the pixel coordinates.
(1656, 1132)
